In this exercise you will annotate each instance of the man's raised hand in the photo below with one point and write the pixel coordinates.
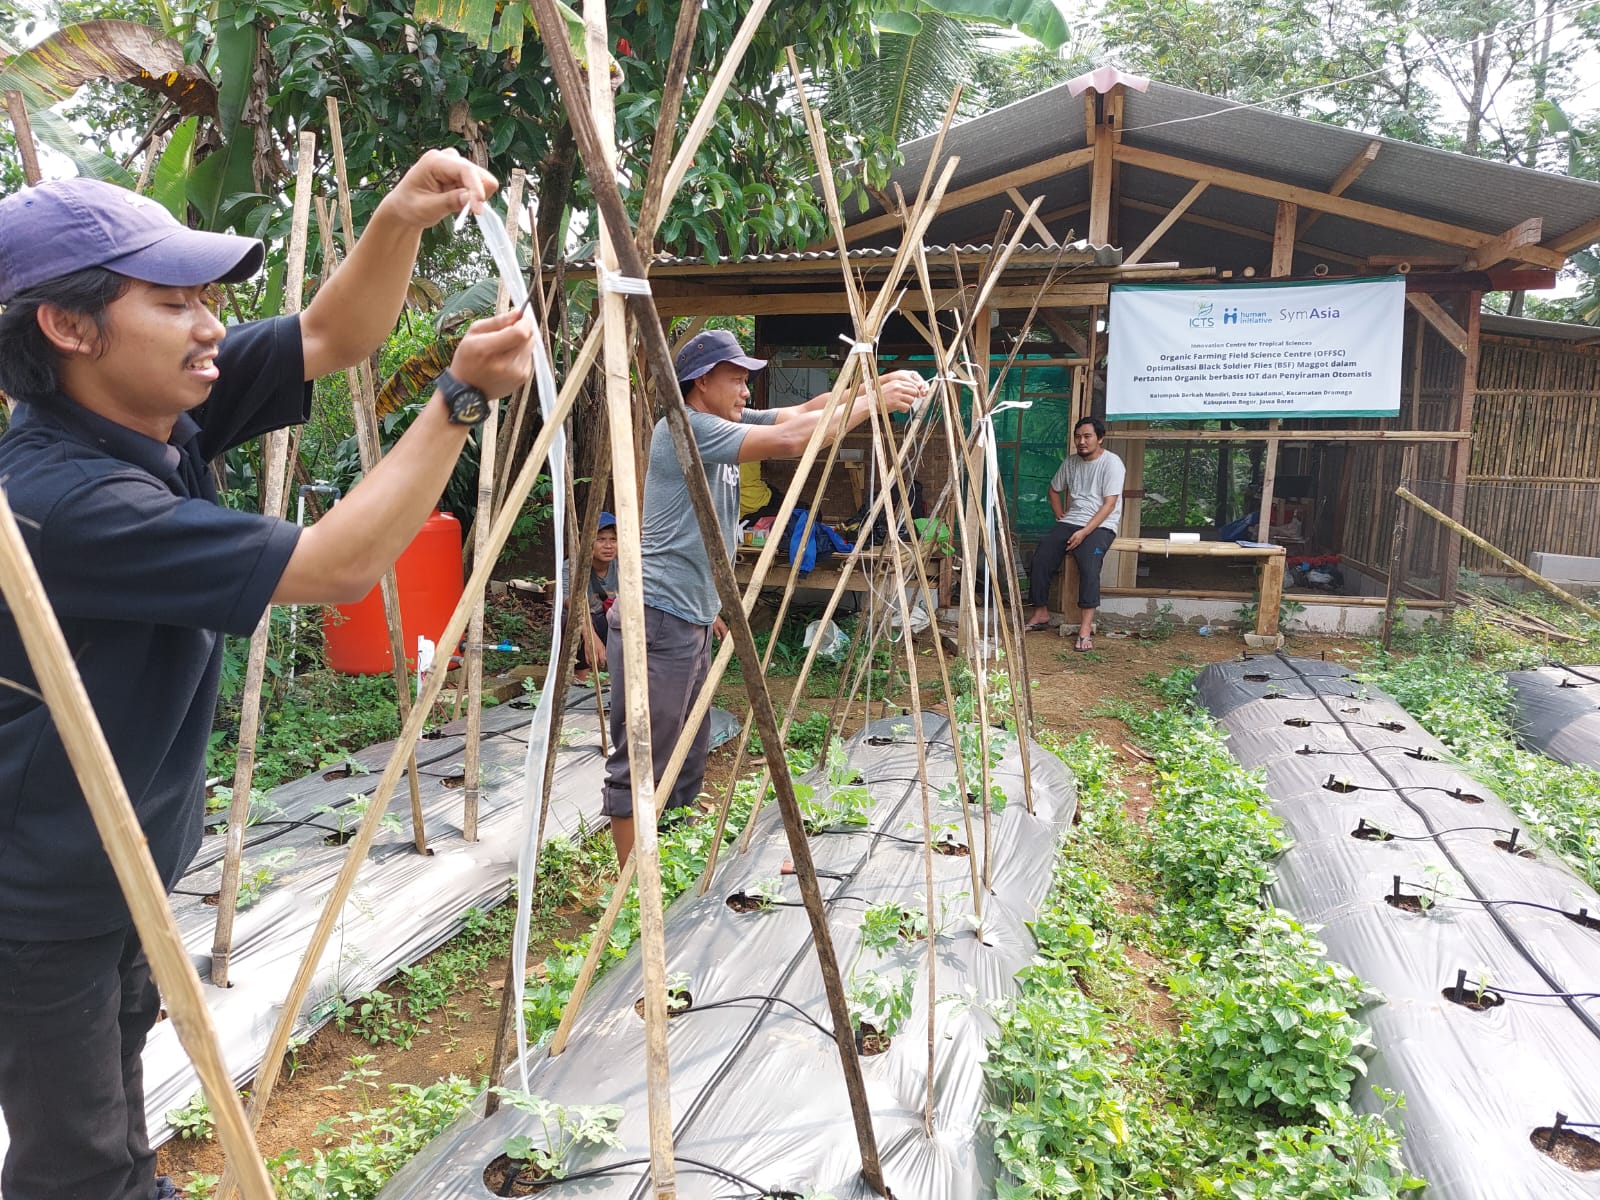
(440, 185)
(496, 355)
(902, 391)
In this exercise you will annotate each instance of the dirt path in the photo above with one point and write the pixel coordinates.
(1072, 693)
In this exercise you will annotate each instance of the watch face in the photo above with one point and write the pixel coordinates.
(470, 407)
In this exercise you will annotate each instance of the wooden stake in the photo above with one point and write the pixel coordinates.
(1394, 584)
(124, 842)
(274, 499)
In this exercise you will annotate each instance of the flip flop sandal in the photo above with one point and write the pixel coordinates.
(1037, 626)
(1084, 644)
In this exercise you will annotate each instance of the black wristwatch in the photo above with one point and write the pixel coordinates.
(467, 405)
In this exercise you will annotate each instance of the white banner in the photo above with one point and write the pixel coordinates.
(1255, 350)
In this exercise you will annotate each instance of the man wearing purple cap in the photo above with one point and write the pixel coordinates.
(126, 390)
(681, 602)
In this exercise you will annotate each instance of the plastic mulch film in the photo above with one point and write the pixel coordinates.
(1558, 712)
(757, 1088)
(1370, 799)
(404, 904)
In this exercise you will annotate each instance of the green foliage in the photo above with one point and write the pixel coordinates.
(381, 1141)
(194, 1121)
(880, 1000)
(565, 1128)
(324, 718)
(256, 876)
(1345, 1157)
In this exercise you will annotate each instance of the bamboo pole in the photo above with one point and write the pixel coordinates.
(124, 842)
(608, 198)
(369, 445)
(273, 501)
(630, 596)
(404, 748)
(472, 753)
(1497, 554)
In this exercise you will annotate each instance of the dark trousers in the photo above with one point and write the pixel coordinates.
(73, 1020)
(598, 620)
(678, 658)
(1090, 556)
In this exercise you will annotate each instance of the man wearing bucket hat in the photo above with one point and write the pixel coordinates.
(127, 388)
(681, 602)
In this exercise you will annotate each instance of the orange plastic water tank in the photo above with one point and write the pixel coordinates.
(428, 575)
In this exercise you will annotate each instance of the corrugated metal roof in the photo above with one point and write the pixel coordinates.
(1079, 253)
(1474, 193)
(1555, 331)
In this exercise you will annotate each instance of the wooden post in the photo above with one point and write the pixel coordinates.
(1461, 452)
(124, 842)
(23, 132)
(1269, 479)
(274, 500)
(1397, 562)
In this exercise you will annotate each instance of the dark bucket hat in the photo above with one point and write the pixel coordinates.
(69, 225)
(705, 350)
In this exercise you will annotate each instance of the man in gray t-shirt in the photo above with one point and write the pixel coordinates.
(681, 602)
(1086, 496)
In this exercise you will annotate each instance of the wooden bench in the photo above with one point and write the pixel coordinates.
(828, 571)
(1270, 557)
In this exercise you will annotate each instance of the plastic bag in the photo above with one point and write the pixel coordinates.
(834, 643)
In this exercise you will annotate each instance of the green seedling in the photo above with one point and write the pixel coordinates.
(564, 1128)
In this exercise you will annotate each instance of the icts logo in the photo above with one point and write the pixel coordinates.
(1202, 318)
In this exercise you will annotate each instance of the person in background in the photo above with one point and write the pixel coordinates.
(681, 602)
(128, 388)
(602, 589)
(1086, 496)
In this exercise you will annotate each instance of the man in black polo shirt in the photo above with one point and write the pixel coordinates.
(126, 390)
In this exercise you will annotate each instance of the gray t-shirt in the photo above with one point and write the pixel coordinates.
(1088, 484)
(677, 575)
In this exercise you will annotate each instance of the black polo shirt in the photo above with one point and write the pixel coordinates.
(143, 568)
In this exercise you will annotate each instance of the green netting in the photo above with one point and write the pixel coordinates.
(1030, 443)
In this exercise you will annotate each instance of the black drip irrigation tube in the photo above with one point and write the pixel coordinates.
(1511, 936)
(694, 1165)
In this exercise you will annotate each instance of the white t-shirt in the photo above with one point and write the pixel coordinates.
(1088, 484)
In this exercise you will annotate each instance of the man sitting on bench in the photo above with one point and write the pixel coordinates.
(1084, 528)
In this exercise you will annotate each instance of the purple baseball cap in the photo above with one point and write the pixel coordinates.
(69, 225)
(705, 350)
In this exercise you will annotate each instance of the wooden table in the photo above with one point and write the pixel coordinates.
(828, 571)
(1270, 557)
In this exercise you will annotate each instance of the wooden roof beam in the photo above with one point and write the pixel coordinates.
(1246, 232)
(1349, 175)
(1166, 223)
(1026, 210)
(1058, 164)
(1355, 210)
(1442, 321)
(1506, 245)
(1579, 239)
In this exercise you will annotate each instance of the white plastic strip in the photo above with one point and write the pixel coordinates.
(621, 285)
(504, 254)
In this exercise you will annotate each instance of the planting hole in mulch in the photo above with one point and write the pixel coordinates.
(339, 837)
(343, 772)
(1371, 833)
(218, 827)
(1276, 696)
(878, 740)
(1342, 786)
(1406, 902)
(1350, 712)
(1297, 723)
(1422, 755)
(433, 735)
(1307, 750)
(1478, 999)
(1568, 1147)
(1510, 848)
(1568, 682)
(952, 848)
(507, 1177)
(679, 1001)
(1465, 797)
(454, 781)
(1392, 726)
(211, 898)
(869, 1042)
(740, 903)
(1256, 677)
(1582, 917)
